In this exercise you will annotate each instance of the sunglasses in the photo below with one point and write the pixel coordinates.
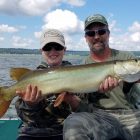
(92, 33)
(56, 47)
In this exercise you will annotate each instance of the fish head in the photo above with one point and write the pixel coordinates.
(128, 70)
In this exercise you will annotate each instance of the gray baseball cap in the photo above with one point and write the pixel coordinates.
(94, 19)
(52, 35)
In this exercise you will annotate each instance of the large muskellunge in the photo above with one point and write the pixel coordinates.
(75, 79)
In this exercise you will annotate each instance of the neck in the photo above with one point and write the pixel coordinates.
(54, 65)
(99, 57)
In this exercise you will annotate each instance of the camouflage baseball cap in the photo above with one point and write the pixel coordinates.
(52, 35)
(95, 18)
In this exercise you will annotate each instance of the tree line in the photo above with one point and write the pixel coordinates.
(36, 51)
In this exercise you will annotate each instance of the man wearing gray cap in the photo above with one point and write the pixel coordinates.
(40, 119)
(103, 115)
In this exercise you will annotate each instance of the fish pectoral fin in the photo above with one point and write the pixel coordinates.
(59, 99)
(17, 73)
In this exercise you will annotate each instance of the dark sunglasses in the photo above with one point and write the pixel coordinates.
(92, 33)
(56, 47)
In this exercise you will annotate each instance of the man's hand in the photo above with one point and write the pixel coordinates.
(31, 95)
(108, 84)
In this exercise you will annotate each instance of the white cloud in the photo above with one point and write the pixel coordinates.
(22, 27)
(2, 39)
(34, 7)
(113, 26)
(80, 45)
(7, 28)
(76, 42)
(27, 7)
(129, 40)
(76, 2)
(37, 34)
(20, 42)
(69, 24)
(9, 6)
(135, 37)
(135, 27)
(37, 7)
(125, 41)
(64, 20)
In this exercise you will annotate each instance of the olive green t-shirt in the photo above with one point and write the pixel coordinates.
(114, 99)
(115, 55)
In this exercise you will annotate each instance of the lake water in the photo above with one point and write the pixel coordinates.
(7, 61)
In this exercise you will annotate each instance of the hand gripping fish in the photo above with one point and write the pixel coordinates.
(74, 79)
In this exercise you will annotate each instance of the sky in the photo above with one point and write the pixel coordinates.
(22, 21)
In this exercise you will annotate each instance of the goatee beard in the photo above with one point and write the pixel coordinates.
(95, 49)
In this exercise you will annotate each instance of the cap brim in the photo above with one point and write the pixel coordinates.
(95, 22)
(50, 40)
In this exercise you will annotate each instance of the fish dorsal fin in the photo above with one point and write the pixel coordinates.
(17, 73)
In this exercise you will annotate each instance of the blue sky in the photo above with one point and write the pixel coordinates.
(22, 21)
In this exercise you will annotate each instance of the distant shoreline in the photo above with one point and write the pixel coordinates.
(37, 51)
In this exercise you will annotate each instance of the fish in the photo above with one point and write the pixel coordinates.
(84, 78)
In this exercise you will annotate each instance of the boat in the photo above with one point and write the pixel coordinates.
(9, 124)
(9, 128)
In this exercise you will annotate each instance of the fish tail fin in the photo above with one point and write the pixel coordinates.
(4, 104)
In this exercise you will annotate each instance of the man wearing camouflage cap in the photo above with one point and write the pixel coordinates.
(103, 115)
